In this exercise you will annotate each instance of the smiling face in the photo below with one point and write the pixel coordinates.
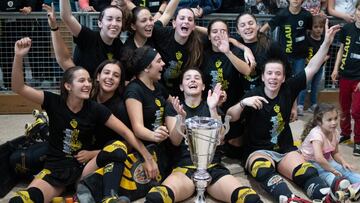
(155, 68)
(217, 29)
(109, 78)
(80, 86)
(144, 23)
(273, 77)
(192, 83)
(329, 122)
(184, 23)
(247, 28)
(111, 22)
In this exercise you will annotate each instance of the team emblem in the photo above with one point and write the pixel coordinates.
(301, 23)
(73, 123)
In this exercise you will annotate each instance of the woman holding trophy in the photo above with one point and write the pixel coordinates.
(178, 186)
(269, 149)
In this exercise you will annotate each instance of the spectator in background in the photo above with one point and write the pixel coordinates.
(201, 7)
(57, 4)
(231, 6)
(314, 40)
(343, 9)
(347, 67)
(315, 7)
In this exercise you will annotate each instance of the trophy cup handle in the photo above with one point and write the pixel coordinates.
(179, 124)
(227, 124)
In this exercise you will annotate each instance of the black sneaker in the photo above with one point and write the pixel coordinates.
(344, 138)
(356, 151)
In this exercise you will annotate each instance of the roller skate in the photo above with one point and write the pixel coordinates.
(338, 190)
(353, 192)
(293, 199)
(39, 130)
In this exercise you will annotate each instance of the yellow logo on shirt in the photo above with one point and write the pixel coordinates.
(73, 123)
(158, 102)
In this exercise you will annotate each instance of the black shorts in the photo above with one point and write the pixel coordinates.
(60, 177)
(216, 171)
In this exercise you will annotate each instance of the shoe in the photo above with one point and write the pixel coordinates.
(339, 185)
(356, 151)
(312, 108)
(344, 139)
(116, 199)
(300, 110)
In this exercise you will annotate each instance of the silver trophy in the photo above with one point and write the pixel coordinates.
(202, 135)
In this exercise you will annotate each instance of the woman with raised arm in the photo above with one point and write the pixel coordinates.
(93, 47)
(73, 118)
(270, 149)
(179, 46)
(179, 186)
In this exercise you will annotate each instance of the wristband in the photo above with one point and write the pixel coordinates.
(54, 29)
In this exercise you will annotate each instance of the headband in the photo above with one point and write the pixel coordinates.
(149, 56)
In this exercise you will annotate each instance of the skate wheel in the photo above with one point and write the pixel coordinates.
(352, 192)
(35, 112)
(340, 195)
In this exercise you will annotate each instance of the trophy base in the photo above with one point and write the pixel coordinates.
(201, 179)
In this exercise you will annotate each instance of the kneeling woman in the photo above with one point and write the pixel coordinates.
(178, 186)
(73, 118)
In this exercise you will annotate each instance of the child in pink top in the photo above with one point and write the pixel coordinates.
(320, 146)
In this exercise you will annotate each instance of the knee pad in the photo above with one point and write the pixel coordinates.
(31, 195)
(263, 171)
(114, 152)
(160, 194)
(306, 176)
(245, 195)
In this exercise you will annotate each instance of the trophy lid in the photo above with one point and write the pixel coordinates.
(198, 122)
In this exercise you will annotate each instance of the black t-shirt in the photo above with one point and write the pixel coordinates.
(153, 102)
(173, 54)
(268, 128)
(350, 60)
(71, 132)
(313, 46)
(292, 31)
(12, 5)
(262, 54)
(91, 50)
(128, 49)
(182, 155)
(153, 5)
(104, 134)
(217, 68)
(99, 5)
